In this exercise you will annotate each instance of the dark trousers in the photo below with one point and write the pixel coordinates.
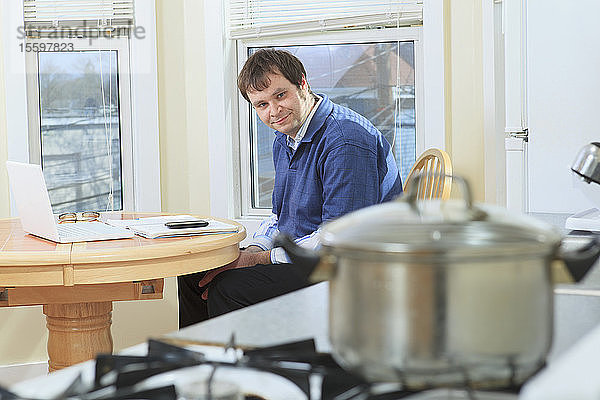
(235, 289)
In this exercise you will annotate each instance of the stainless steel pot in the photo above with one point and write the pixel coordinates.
(441, 293)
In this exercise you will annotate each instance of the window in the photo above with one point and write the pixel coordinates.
(366, 55)
(133, 45)
(78, 93)
(79, 123)
(228, 117)
(373, 74)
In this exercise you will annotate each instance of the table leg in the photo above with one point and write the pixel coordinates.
(77, 332)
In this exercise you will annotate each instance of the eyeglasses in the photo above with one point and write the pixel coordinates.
(87, 216)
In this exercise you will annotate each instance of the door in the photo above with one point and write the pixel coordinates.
(563, 101)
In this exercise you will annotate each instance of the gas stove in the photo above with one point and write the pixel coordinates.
(287, 371)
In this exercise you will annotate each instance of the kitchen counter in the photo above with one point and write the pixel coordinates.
(303, 314)
(299, 315)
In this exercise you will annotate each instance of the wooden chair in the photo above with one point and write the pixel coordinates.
(432, 165)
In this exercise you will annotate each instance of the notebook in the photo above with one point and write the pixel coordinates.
(154, 227)
(33, 205)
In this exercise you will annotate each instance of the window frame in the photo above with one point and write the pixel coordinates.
(121, 45)
(222, 99)
(244, 148)
(144, 100)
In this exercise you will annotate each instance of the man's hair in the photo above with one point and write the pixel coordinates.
(269, 61)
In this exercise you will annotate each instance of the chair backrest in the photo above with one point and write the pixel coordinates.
(433, 164)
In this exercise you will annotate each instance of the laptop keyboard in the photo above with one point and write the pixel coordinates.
(89, 231)
(73, 231)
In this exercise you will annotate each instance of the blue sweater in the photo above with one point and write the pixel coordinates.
(343, 163)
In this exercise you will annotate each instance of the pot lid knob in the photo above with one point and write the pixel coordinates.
(410, 197)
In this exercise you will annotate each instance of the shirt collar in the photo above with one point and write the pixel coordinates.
(295, 142)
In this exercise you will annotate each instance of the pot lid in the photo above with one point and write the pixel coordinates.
(453, 227)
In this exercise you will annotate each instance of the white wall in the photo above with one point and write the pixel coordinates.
(464, 116)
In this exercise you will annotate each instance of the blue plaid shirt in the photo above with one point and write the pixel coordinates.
(343, 163)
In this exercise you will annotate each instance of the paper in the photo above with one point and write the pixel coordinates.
(154, 227)
(588, 220)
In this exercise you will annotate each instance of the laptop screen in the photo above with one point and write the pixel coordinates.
(31, 198)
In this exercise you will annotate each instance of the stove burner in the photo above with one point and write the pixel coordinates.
(316, 374)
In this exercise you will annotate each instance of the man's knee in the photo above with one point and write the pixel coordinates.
(225, 285)
(192, 309)
(224, 293)
(189, 283)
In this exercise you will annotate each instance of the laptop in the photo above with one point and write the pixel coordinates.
(33, 204)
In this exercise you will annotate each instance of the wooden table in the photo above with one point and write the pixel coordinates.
(77, 283)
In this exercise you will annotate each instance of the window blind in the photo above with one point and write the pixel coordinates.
(259, 18)
(40, 15)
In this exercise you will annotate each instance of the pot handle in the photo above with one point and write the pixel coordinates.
(581, 260)
(299, 255)
(321, 268)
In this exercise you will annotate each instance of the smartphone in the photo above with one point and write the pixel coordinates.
(186, 224)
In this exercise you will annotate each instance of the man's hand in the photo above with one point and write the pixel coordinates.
(254, 249)
(248, 258)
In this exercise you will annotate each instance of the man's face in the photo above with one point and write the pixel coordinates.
(282, 105)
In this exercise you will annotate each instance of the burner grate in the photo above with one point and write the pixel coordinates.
(316, 374)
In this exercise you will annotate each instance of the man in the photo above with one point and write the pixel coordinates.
(328, 160)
